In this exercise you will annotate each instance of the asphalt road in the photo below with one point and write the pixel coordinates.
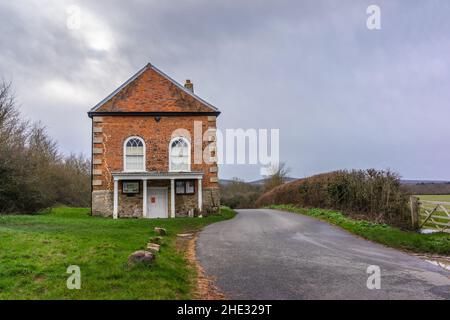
(269, 254)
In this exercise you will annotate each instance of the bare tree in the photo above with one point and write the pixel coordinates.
(33, 174)
(277, 176)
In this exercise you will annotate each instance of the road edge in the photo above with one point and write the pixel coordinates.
(205, 287)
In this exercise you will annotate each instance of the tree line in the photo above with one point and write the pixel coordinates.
(427, 188)
(34, 175)
(238, 194)
(374, 195)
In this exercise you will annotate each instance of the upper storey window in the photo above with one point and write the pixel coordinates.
(134, 154)
(180, 155)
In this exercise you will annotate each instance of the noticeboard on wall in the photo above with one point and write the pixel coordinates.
(130, 187)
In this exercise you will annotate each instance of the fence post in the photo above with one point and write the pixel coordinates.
(414, 203)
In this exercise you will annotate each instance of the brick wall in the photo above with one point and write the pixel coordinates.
(109, 135)
(130, 206)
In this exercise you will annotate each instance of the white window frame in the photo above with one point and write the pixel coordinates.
(125, 155)
(170, 153)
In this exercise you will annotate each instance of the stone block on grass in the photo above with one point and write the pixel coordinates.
(161, 231)
(141, 256)
(157, 239)
(153, 247)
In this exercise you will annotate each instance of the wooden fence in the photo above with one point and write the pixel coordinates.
(430, 214)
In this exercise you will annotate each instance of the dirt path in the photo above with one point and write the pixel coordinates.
(205, 287)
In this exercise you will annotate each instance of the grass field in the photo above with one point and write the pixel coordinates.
(430, 206)
(381, 233)
(35, 251)
(434, 197)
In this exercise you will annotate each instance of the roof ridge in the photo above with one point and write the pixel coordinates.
(189, 92)
(141, 71)
(123, 85)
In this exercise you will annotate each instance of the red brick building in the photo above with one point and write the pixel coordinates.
(154, 150)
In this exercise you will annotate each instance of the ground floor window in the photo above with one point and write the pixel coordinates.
(185, 187)
(130, 187)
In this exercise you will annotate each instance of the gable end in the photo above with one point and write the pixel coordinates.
(151, 92)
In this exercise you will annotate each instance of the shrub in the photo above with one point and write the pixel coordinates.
(238, 194)
(33, 175)
(372, 193)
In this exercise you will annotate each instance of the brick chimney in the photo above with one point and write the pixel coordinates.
(189, 85)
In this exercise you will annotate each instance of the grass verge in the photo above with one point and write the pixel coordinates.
(438, 243)
(35, 251)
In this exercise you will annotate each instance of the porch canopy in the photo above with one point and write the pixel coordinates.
(152, 175)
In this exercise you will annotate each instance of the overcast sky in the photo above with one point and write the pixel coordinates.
(343, 96)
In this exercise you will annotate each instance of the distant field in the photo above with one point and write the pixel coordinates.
(435, 197)
(427, 206)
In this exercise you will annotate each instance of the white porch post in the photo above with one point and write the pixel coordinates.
(172, 198)
(144, 198)
(116, 199)
(200, 195)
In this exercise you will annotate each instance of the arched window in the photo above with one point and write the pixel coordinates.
(134, 154)
(180, 155)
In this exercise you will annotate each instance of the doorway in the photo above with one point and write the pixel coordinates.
(157, 203)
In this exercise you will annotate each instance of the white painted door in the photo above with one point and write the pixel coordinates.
(157, 203)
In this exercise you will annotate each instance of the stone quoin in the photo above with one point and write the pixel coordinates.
(145, 160)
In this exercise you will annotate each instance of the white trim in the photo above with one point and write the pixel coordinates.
(200, 195)
(166, 209)
(116, 199)
(125, 154)
(170, 153)
(168, 177)
(172, 198)
(144, 198)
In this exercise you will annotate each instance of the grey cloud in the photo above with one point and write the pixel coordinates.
(341, 95)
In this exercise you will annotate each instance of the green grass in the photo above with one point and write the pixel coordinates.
(431, 206)
(393, 237)
(35, 251)
(435, 197)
